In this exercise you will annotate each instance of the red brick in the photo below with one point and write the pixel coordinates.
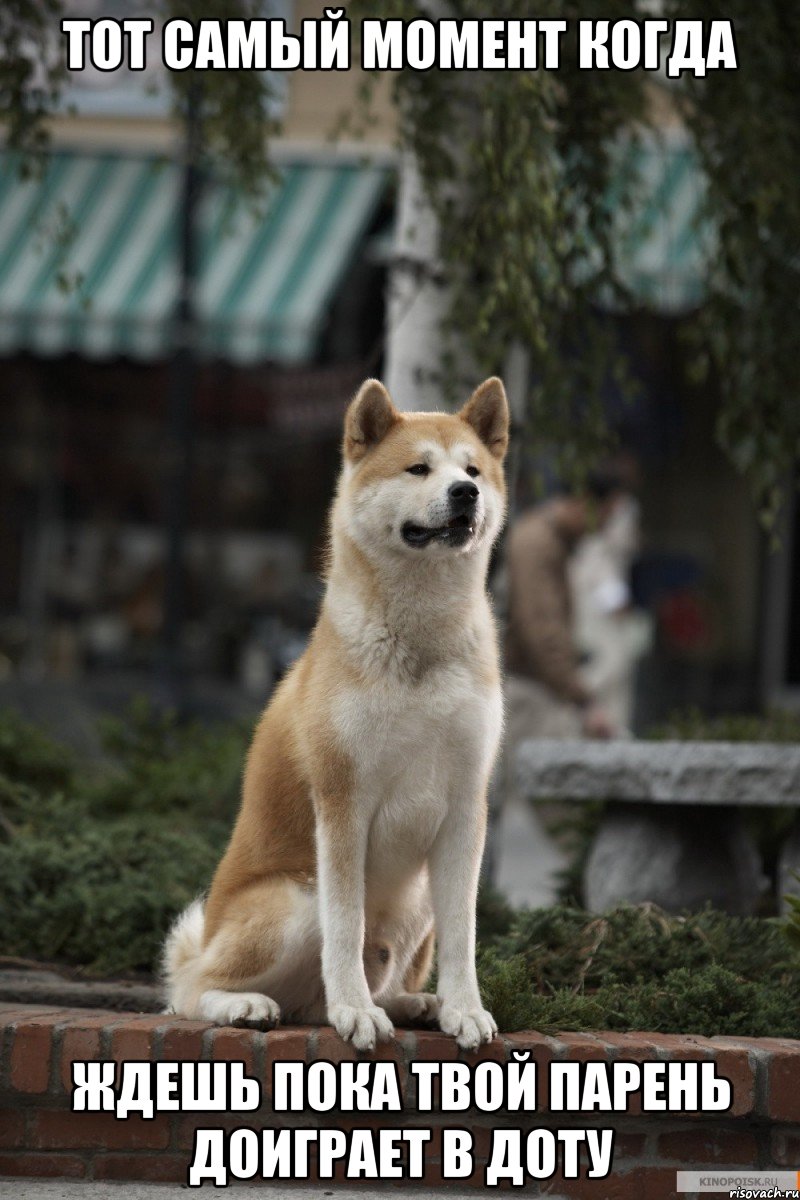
(581, 1047)
(397, 1049)
(62, 1130)
(684, 1047)
(493, 1051)
(103, 1016)
(435, 1047)
(630, 1047)
(10, 1013)
(432, 1150)
(638, 1047)
(284, 1045)
(481, 1141)
(542, 1053)
(618, 1186)
(734, 1064)
(79, 1043)
(147, 1022)
(785, 1149)
(132, 1040)
(12, 1128)
(116, 1142)
(339, 1178)
(31, 1054)
(161, 1168)
(332, 1047)
(435, 1179)
(628, 1145)
(400, 1050)
(709, 1147)
(183, 1041)
(70, 1016)
(235, 1045)
(50, 1166)
(768, 1044)
(187, 1125)
(138, 1032)
(431, 1048)
(528, 1040)
(133, 1045)
(784, 1085)
(658, 1183)
(287, 1045)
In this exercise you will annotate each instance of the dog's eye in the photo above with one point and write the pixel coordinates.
(419, 469)
(472, 471)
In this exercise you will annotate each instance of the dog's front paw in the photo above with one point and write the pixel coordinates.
(469, 1026)
(361, 1026)
(413, 1006)
(250, 1009)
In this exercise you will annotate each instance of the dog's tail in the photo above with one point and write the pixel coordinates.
(182, 950)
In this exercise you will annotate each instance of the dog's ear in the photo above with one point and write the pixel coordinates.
(369, 418)
(487, 412)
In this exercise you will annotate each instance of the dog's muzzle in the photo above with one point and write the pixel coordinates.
(462, 500)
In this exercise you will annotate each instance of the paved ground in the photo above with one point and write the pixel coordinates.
(526, 857)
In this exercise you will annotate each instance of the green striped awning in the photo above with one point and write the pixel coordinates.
(89, 257)
(663, 246)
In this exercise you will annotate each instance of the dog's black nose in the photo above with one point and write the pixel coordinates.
(462, 494)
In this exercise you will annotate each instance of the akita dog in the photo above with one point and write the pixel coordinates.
(364, 799)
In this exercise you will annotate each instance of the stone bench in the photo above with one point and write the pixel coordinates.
(672, 832)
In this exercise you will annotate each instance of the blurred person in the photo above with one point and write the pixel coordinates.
(547, 695)
(611, 634)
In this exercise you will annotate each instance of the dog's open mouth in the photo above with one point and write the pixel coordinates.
(456, 532)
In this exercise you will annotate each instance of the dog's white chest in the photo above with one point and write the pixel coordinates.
(392, 731)
(415, 751)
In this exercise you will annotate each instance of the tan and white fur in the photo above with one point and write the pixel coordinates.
(362, 821)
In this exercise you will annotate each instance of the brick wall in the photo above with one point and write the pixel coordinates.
(40, 1136)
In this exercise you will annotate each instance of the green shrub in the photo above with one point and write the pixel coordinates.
(638, 968)
(158, 764)
(100, 894)
(691, 725)
(710, 1002)
(96, 862)
(792, 924)
(567, 947)
(30, 756)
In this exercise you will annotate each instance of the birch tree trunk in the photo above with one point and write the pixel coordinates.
(417, 299)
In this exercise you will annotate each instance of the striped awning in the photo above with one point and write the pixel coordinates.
(89, 257)
(663, 245)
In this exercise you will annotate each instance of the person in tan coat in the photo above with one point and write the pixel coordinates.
(545, 691)
(545, 696)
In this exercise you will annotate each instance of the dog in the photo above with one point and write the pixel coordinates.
(363, 812)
